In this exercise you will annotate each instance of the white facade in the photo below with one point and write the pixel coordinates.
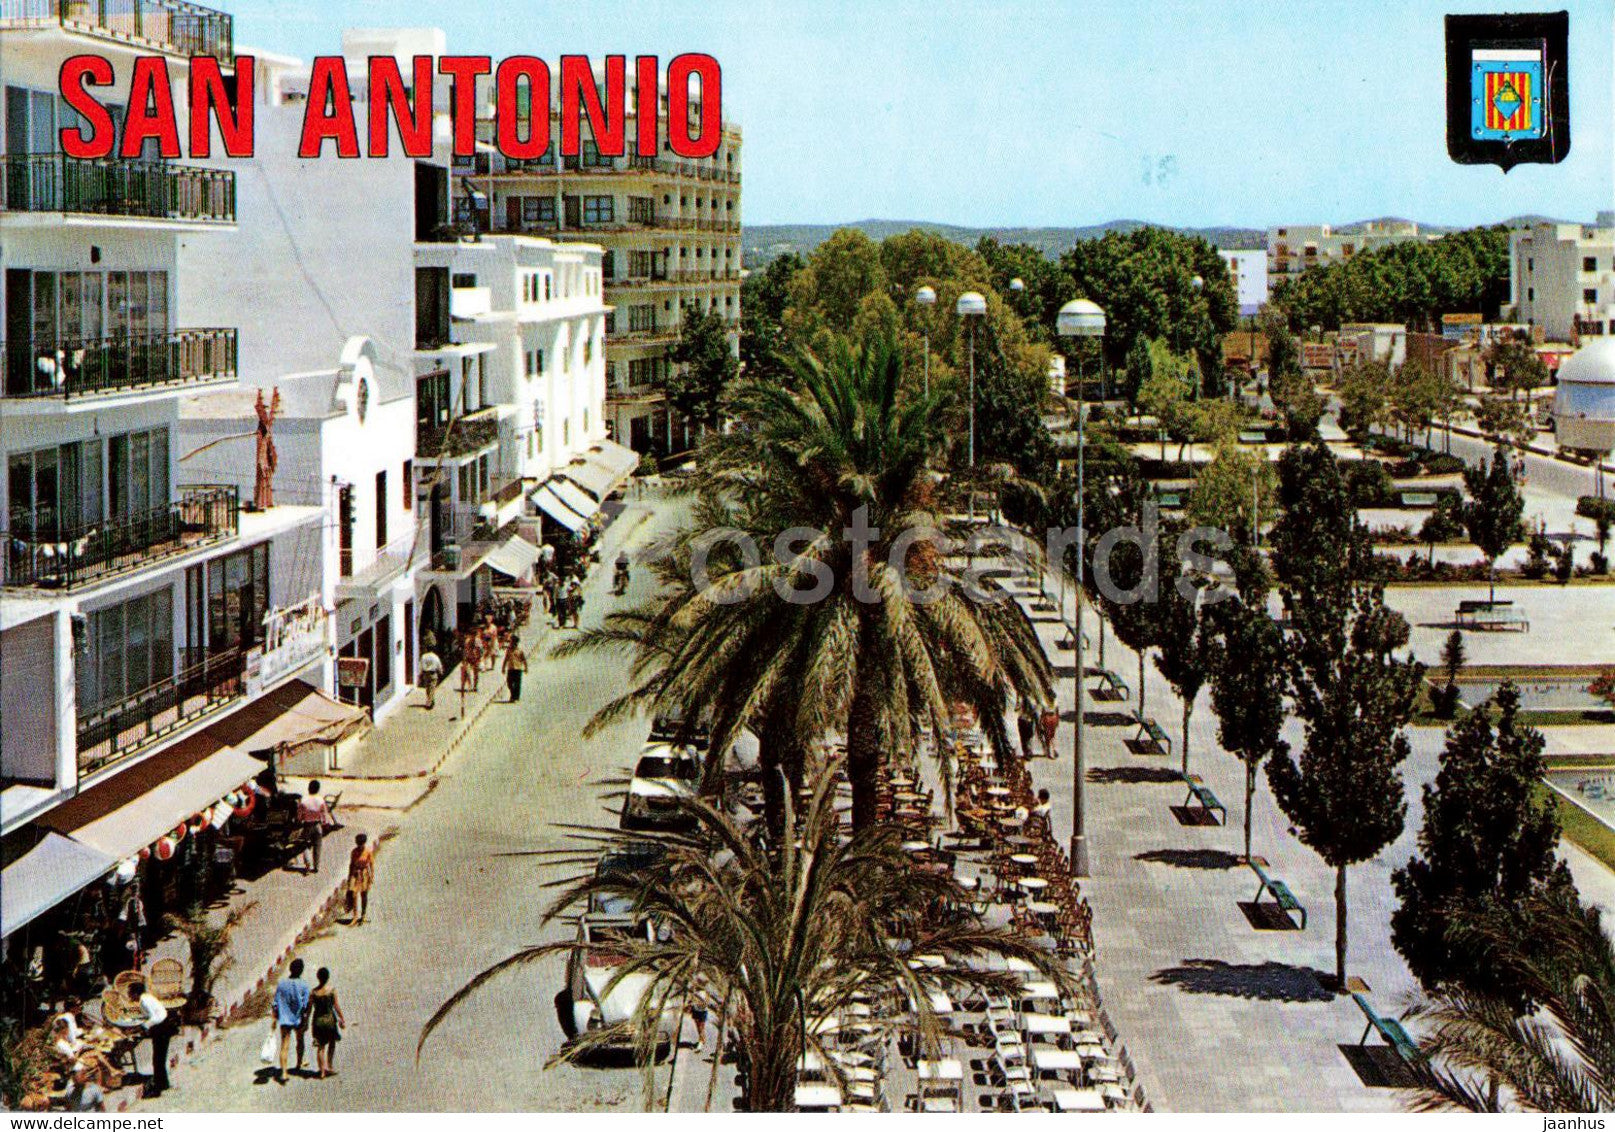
(1294, 248)
(1562, 278)
(1248, 270)
(140, 605)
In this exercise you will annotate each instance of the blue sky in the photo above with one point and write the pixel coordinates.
(1189, 112)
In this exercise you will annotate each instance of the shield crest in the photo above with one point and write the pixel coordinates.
(1506, 95)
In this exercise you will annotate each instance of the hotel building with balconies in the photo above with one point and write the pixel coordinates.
(670, 228)
(153, 623)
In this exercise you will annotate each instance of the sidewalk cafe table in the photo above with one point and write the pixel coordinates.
(944, 1069)
(1077, 1100)
(1032, 885)
(1051, 1060)
(1044, 911)
(1040, 989)
(1046, 1025)
(1025, 860)
(818, 1098)
(916, 846)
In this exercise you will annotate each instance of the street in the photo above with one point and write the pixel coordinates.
(454, 894)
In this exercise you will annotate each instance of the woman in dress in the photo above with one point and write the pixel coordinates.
(326, 1021)
(361, 874)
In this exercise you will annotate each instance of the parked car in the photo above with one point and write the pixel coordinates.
(671, 728)
(623, 861)
(590, 1001)
(663, 777)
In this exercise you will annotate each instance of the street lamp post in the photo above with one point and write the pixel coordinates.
(1079, 319)
(926, 297)
(971, 306)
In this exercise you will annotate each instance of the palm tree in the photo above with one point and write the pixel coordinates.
(773, 943)
(1484, 1057)
(828, 632)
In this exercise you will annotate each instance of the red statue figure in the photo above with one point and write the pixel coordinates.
(263, 487)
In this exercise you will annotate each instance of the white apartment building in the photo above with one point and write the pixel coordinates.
(1295, 247)
(1562, 278)
(1248, 270)
(670, 228)
(158, 633)
(324, 277)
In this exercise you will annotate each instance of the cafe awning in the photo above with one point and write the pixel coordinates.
(593, 478)
(292, 716)
(49, 871)
(548, 502)
(622, 461)
(129, 811)
(574, 497)
(515, 557)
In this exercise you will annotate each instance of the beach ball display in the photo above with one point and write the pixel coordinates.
(165, 848)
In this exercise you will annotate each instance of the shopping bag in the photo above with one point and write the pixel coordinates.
(271, 1046)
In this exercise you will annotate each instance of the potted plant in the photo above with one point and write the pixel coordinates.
(209, 944)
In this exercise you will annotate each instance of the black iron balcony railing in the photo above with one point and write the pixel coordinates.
(40, 551)
(203, 681)
(460, 437)
(126, 363)
(173, 26)
(54, 182)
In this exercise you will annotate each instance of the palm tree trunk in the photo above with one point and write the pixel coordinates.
(1188, 710)
(1250, 797)
(863, 737)
(1340, 928)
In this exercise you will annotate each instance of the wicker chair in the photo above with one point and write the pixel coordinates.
(117, 1008)
(167, 981)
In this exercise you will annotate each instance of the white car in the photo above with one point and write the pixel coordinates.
(587, 1004)
(664, 776)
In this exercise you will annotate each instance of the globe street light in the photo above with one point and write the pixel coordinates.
(1079, 319)
(926, 297)
(971, 306)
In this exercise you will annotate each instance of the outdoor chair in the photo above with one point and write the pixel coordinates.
(167, 981)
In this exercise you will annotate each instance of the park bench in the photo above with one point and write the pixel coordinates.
(1147, 727)
(1476, 613)
(1169, 499)
(1389, 1028)
(1419, 498)
(1280, 891)
(1253, 436)
(1201, 793)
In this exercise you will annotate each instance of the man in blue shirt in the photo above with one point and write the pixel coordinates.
(291, 1013)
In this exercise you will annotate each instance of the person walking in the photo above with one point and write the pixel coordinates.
(515, 665)
(361, 875)
(326, 1021)
(313, 816)
(1026, 725)
(291, 1013)
(471, 660)
(490, 643)
(431, 676)
(574, 601)
(159, 1025)
(1048, 725)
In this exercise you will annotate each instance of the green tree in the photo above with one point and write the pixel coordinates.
(1352, 694)
(771, 939)
(1493, 512)
(1246, 660)
(1444, 523)
(704, 367)
(1504, 419)
(1488, 839)
(1364, 389)
(1236, 493)
(1180, 637)
(1513, 366)
(1136, 372)
(764, 297)
(839, 273)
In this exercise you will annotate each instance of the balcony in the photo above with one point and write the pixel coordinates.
(461, 436)
(202, 684)
(40, 554)
(644, 335)
(171, 26)
(153, 190)
(126, 363)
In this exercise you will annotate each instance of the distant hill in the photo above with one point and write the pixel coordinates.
(762, 242)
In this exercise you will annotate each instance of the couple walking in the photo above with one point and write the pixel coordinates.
(300, 1008)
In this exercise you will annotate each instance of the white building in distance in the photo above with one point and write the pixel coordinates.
(1562, 278)
(1248, 270)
